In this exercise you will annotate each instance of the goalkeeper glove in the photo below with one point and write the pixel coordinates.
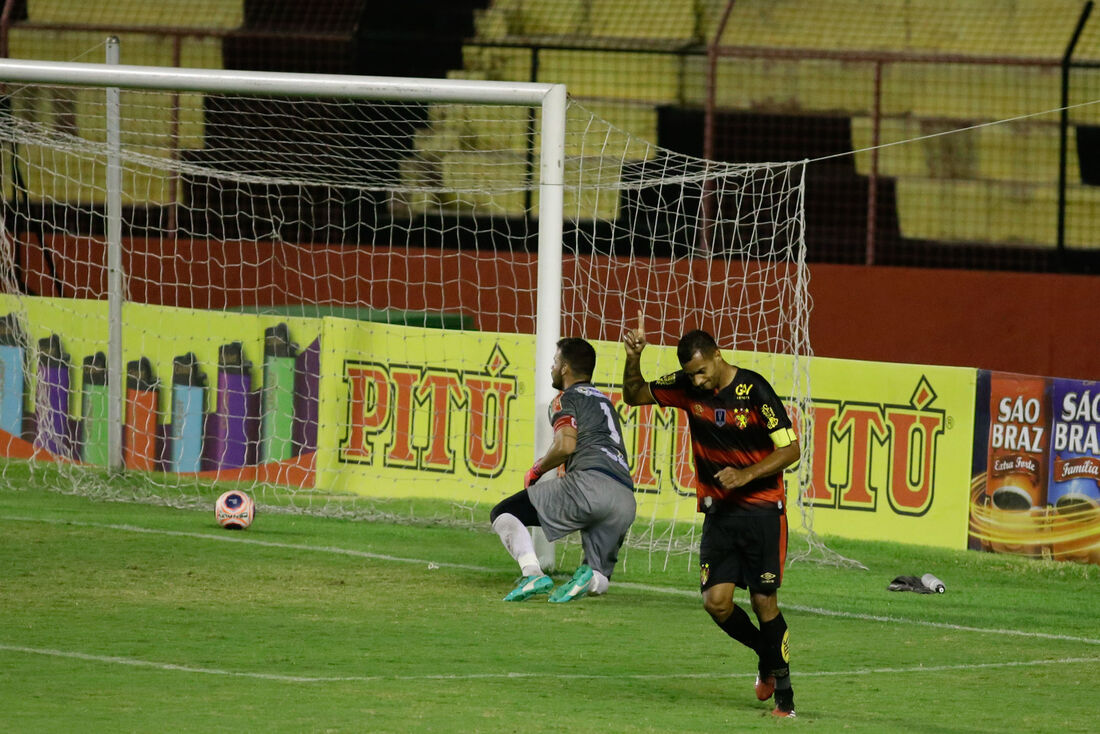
(532, 474)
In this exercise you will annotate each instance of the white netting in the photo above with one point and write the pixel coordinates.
(332, 301)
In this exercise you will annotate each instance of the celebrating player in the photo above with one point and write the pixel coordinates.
(742, 441)
(594, 496)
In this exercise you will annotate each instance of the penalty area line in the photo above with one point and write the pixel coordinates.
(228, 538)
(442, 677)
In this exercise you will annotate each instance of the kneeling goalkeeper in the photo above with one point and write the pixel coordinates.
(594, 496)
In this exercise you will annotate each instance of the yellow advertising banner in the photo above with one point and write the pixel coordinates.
(405, 412)
(891, 451)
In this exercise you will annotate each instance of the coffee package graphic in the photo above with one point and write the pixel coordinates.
(1019, 436)
(1074, 472)
(1009, 509)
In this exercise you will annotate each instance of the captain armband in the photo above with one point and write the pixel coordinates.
(566, 421)
(783, 437)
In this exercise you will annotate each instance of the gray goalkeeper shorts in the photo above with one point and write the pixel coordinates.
(600, 507)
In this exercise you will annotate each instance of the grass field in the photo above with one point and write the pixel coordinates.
(129, 617)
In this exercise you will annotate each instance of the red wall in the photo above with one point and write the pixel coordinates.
(1016, 322)
(1035, 324)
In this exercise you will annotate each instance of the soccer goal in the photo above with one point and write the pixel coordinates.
(343, 293)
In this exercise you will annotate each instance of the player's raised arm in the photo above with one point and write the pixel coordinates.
(635, 388)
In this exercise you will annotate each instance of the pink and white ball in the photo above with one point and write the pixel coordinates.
(235, 510)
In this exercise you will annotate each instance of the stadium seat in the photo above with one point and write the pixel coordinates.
(475, 172)
(1011, 212)
(500, 64)
(637, 121)
(163, 13)
(647, 20)
(569, 20)
(540, 18)
(968, 91)
(145, 116)
(1023, 28)
(491, 24)
(999, 153)
(635, 77)
(142, 49)
(778, 85)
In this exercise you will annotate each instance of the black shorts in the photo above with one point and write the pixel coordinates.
(746, 549)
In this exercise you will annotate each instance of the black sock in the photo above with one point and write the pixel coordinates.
(740, 627)
(775, 651)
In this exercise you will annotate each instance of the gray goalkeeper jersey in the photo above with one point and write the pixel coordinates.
(599, 432)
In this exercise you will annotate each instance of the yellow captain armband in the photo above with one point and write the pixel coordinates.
(783, 437)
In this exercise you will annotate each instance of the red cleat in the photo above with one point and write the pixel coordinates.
(784, 704)
(764, 687)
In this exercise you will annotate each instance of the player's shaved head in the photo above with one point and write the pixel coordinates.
(695, 342)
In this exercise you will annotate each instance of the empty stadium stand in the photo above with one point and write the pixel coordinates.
(801, 79)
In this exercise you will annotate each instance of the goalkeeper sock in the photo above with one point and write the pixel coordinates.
(740, 627)
(775, 653)
(517, 540)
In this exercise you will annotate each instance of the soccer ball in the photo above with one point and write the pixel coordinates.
(235, 510)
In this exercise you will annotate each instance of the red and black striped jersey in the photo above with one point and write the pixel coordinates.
(729, 427)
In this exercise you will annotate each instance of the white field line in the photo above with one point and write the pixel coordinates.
(903, 621)
(231, 538)
(170, 667)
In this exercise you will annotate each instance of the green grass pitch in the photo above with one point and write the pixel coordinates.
(130, 617)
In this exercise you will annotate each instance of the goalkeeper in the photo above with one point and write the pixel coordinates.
(594, 496)
(742, 441)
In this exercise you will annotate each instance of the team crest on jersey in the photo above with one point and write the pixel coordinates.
(667, 379)
(698, 409)
(741, 417)
(720, 417)
(704, 573)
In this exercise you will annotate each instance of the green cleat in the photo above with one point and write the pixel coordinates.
(575, 588)
(528, 586)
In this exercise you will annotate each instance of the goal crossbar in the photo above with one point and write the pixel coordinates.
(230, 81)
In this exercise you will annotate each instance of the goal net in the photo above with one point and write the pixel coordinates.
(342, 294)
